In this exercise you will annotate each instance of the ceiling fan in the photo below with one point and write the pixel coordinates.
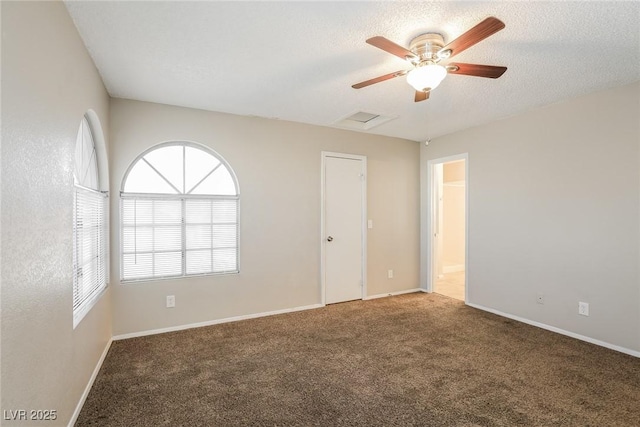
(427, 50)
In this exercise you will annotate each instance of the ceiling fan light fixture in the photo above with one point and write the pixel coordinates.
(444, 54)
(426, 77)
(427, 50)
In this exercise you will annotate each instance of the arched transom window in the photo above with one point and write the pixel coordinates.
(179, 214)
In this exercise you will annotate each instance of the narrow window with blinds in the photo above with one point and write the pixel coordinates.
(179, 214)
(90, 238)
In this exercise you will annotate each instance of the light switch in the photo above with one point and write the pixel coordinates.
(370, 223)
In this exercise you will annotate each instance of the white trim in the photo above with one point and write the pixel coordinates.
(105, 193)
(424, 227)
(363, 159)
(87, 389)
(558, 330)
(427, 221)
(103, 173)
(214, 322)
(323, 298)
(165, 196)
(391, 294)
(88, 305)
(466, 226)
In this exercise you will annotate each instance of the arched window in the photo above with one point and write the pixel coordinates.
(179, 214)
(90, 237)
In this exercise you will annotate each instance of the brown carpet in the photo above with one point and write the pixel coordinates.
(410, 360)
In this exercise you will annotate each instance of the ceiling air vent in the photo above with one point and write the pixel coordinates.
(363, 120)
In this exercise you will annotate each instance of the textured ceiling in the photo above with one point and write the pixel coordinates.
(297, 61)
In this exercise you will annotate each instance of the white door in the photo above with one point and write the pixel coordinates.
(343, 231)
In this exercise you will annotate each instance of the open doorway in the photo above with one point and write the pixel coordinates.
(449, 225)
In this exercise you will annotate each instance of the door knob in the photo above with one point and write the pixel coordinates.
(329, 239)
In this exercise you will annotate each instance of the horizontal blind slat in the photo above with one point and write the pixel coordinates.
(90, 246)
(153, 235)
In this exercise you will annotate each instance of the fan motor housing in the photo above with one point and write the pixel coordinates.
(427, 45)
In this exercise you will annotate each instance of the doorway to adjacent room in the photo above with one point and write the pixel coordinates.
(449, 226)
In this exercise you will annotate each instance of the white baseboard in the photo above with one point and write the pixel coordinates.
(452, 268)
(559, 331)
(87, 389)
(214, 322)
(390, 294)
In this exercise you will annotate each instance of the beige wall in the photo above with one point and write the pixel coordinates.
(278, 168)
(453, 216)
(48, 83)
(570, 233)
(554, 210)
(453, 171)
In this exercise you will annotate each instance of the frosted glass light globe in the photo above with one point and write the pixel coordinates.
(427, 77)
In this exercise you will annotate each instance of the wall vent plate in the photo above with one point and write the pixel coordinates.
(363, 117)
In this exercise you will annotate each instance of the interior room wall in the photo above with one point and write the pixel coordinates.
(453, 217)
(453, 171)
(554, 211)
(278, 168)
(48, 83)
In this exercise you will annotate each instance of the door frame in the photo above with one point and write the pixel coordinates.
(428, 265)
(363, 219)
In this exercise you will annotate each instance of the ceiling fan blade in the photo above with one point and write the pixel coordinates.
(379, 79)
(490, 71)
(389, 46)
(476, 34)
(421, 96)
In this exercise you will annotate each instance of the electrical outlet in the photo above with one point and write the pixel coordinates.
(540, 299)
(390, 274)
(171, 301)
(583, 308)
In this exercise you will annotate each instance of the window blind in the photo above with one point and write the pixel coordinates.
(90, 272)
(178, 236)
(211, 238)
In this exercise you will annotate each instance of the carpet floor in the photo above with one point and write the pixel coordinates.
(410, 360)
